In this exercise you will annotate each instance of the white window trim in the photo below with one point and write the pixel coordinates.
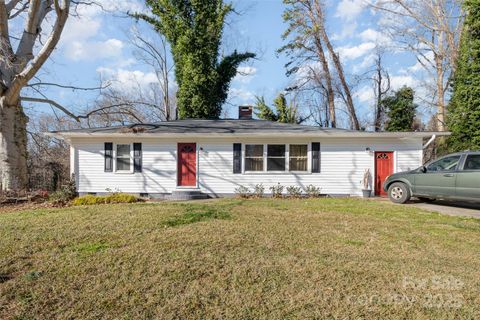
(287, 159)
(130, 171)
(309, 162)
(244, 157)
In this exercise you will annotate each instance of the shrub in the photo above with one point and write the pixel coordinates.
(259, 190)
(112, 198)
(294, 191)
(312, 191)
(242, 192)
(66, 193)
(277, 190)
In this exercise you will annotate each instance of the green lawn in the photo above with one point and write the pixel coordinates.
(245, 259)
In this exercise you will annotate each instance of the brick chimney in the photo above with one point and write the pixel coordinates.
(245, 112)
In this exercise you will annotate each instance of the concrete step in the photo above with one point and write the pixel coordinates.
(188, 194)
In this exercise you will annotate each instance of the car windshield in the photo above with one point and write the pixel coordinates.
(445, 164)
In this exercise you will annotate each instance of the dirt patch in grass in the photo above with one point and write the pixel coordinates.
(249, 259)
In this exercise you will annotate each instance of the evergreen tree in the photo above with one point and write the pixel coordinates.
(464, 109)
(263, 111)
(400, 110)
(194, 31)
(282, 111)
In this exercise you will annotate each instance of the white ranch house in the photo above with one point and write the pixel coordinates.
(214, 157)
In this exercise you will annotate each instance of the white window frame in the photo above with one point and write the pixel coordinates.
(244, 156)
(308, 157)
(115, 159)
(287, 158)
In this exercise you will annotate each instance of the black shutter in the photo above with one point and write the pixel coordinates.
(137, 157)
(315, 157)
(237, 158)
(108, 156)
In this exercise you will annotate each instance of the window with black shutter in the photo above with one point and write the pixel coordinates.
(108, 157)
(237, 158)
(315, 157)
(137, 157)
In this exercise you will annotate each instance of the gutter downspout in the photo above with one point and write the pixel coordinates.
(429, 142)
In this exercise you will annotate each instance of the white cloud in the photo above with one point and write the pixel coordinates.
(367, 62)
(245, 74)
(399, 81)
(348, 30)
(365, 94)
(422, 60)
(127, 80)
(241, 94)
(349, 10)
(371, 35)
(91, 50)
(355, 52)
(83, 37)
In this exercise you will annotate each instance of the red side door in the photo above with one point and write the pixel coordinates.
(383, 168)
(187, 165)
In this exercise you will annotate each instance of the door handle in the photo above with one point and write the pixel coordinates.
(448, 175)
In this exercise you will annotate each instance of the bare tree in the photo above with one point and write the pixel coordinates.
(318, 14)
(154, 52)
(381, 84)
(306, 48)
(307, 39)
(17, 67)
(430, 29)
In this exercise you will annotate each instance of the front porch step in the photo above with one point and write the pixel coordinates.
(188, 194)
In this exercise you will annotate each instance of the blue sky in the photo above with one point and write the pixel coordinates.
(95, 47)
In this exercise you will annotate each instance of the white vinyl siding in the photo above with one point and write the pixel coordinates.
(158, 169)
(343, 162)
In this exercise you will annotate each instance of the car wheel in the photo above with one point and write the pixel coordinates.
(422, 199)
(399, 192)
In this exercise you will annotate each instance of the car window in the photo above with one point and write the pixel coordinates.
(472, 162)
(445, 164)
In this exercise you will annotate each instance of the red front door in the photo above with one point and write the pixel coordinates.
(383, 168)
(187, 165)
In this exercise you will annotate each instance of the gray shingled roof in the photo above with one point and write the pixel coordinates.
(228, 127)
(207, 126)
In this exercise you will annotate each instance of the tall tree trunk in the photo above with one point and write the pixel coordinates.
(13, 146)
(343, 81)
(328, 80)
(440, 93)
(338, 65)
(379, 109)
(380, 79)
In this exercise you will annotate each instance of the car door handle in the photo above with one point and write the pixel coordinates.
(448, 175)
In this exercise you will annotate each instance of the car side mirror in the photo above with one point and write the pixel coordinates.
(423, 169)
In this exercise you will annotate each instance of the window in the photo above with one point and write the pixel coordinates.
(276, 157)
(472, 162)
(445, 164)
(123, 157)
(254, 157)
(298, 157)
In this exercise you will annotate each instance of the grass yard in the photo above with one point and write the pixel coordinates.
(245, 259)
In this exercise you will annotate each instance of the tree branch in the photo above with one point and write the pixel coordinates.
(39, 84)
(12, 4)
(52, 103)
(22, 79)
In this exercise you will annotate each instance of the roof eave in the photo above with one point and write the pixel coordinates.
(347, 134)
